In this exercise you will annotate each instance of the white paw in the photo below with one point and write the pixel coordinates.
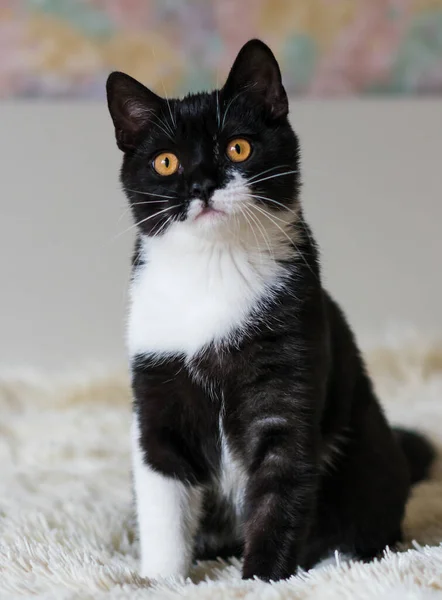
(150, 571)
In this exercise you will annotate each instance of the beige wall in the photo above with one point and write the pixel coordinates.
(373, 181)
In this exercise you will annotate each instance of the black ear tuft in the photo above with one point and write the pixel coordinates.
(131, 106)
(257, 70)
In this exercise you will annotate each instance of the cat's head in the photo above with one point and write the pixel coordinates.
(210, 159)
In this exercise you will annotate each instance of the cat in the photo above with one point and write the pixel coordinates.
(256, 431)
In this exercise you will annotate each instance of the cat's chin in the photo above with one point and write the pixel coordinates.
(209, 220)
(210, 214)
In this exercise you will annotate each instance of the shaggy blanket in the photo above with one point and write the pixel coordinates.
(66, 519)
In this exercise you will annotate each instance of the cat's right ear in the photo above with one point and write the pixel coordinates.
(256, 69)
(131, 106)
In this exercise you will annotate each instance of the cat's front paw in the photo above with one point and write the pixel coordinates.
(265, 568)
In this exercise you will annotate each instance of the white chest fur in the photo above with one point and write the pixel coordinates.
(193, 291)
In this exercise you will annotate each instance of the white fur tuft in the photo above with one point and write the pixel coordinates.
(202, 280)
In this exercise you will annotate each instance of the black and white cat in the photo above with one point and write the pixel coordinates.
(256, 430)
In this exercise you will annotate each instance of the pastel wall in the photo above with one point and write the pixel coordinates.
(65, 48)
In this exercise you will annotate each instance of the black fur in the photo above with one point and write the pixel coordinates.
(331, 474)
(419, 453)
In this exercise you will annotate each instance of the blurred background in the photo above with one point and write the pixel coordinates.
(65, 48)
(365, 81)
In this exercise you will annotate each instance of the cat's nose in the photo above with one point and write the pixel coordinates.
(202, 189)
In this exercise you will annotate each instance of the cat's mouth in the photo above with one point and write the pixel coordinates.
(208, 212)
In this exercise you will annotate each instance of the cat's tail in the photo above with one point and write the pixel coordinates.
(419, 453)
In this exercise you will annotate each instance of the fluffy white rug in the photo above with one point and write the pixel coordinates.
(66, 517)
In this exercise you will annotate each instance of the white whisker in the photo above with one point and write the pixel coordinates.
(163, 226)
(242, 208)
(270, 217)
(247, 87)
(149, 193)
(145, 220)
(164, 126)
(149, 202)
(274, 202)
(168, 104)
(124, 213)
(218, 115)
(294, 212)
(262, 230)
(167, 98)
(127, 209)
(292, 241)
(250, 180)
(276, 175)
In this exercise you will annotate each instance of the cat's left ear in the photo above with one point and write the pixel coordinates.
(256, 70)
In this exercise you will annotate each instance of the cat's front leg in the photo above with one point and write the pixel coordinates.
(281, 491)
(168, 510)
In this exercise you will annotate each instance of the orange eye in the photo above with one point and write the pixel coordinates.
(238, 150)
(166, 163)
